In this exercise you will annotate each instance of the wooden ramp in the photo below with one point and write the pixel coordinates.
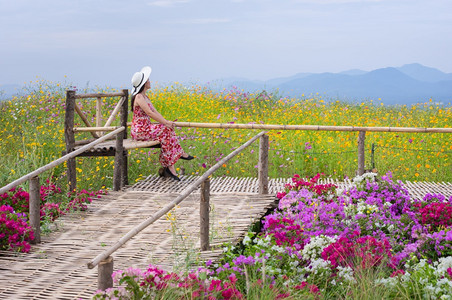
(56, 268)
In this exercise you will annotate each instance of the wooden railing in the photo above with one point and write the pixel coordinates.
(361, 136)
(33, 177)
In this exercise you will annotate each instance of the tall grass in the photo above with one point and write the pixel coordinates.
(32, 135)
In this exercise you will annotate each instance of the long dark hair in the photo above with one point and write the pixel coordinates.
(133, 97)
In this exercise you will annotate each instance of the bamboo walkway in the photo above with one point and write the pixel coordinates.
(56, 268)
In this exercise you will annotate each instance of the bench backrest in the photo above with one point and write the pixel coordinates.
(96, 131)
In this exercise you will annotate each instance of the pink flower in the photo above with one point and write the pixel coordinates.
(398, 272)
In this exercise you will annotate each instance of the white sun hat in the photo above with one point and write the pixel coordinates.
(139, 79)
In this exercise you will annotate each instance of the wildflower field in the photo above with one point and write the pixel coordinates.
(369, 241)
(31, 135)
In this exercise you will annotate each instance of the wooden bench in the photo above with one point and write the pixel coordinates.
(106, 148)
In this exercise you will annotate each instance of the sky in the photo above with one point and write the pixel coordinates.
(103, 42)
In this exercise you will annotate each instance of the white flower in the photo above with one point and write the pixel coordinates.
(346, 273)
(277, 249)
(314, 248)
(246, 240)
(443, 264)
(366, 176)
(294, 263)
(318, 266)
(388, 282)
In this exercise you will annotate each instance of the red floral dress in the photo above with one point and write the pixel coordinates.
(143, 129)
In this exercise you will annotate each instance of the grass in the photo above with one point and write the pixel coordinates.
(32, 135)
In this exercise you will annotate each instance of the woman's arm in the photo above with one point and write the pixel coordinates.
(152, 112)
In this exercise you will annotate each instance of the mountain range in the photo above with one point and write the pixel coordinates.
(409, 84)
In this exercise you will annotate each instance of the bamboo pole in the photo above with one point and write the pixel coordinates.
(124, 113)
(114, 112)
(361, 149)
(204, 215)
(262, 174)
(97, 95)
(69, 138)
(105, 270)
(184, 194)
(58, 161)
(34, 208)
(84, 119)
(90, 129)
(311, 127)
(99, 114)
(119, 162)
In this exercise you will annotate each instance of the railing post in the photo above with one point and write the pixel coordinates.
(99, 115)
(372, 157)
(124, 115)
(104, 272)
(34, 207)
(70, 139)
(204, 214)
(263, 165)
(361, 147)
(119, 163)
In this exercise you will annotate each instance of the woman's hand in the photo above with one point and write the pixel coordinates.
(169, 124)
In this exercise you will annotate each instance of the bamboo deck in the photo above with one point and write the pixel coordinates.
(56, 268)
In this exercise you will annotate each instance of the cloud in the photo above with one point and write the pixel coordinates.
(208, 21)
(336, 1)
(167, 3)
(30, 41)
(200, 21)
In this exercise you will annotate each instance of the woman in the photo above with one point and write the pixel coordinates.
(143, 129)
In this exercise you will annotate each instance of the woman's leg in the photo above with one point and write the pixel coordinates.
(171, 149)
(172, 169)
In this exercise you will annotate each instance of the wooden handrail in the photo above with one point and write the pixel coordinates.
(92, 129)
(311, 127)
(184, 194)
(59, 161)
(99, 95)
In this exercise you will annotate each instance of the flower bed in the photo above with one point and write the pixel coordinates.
(326, 243)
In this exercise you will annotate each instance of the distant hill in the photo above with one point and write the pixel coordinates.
(9, 90)
(408, 84)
